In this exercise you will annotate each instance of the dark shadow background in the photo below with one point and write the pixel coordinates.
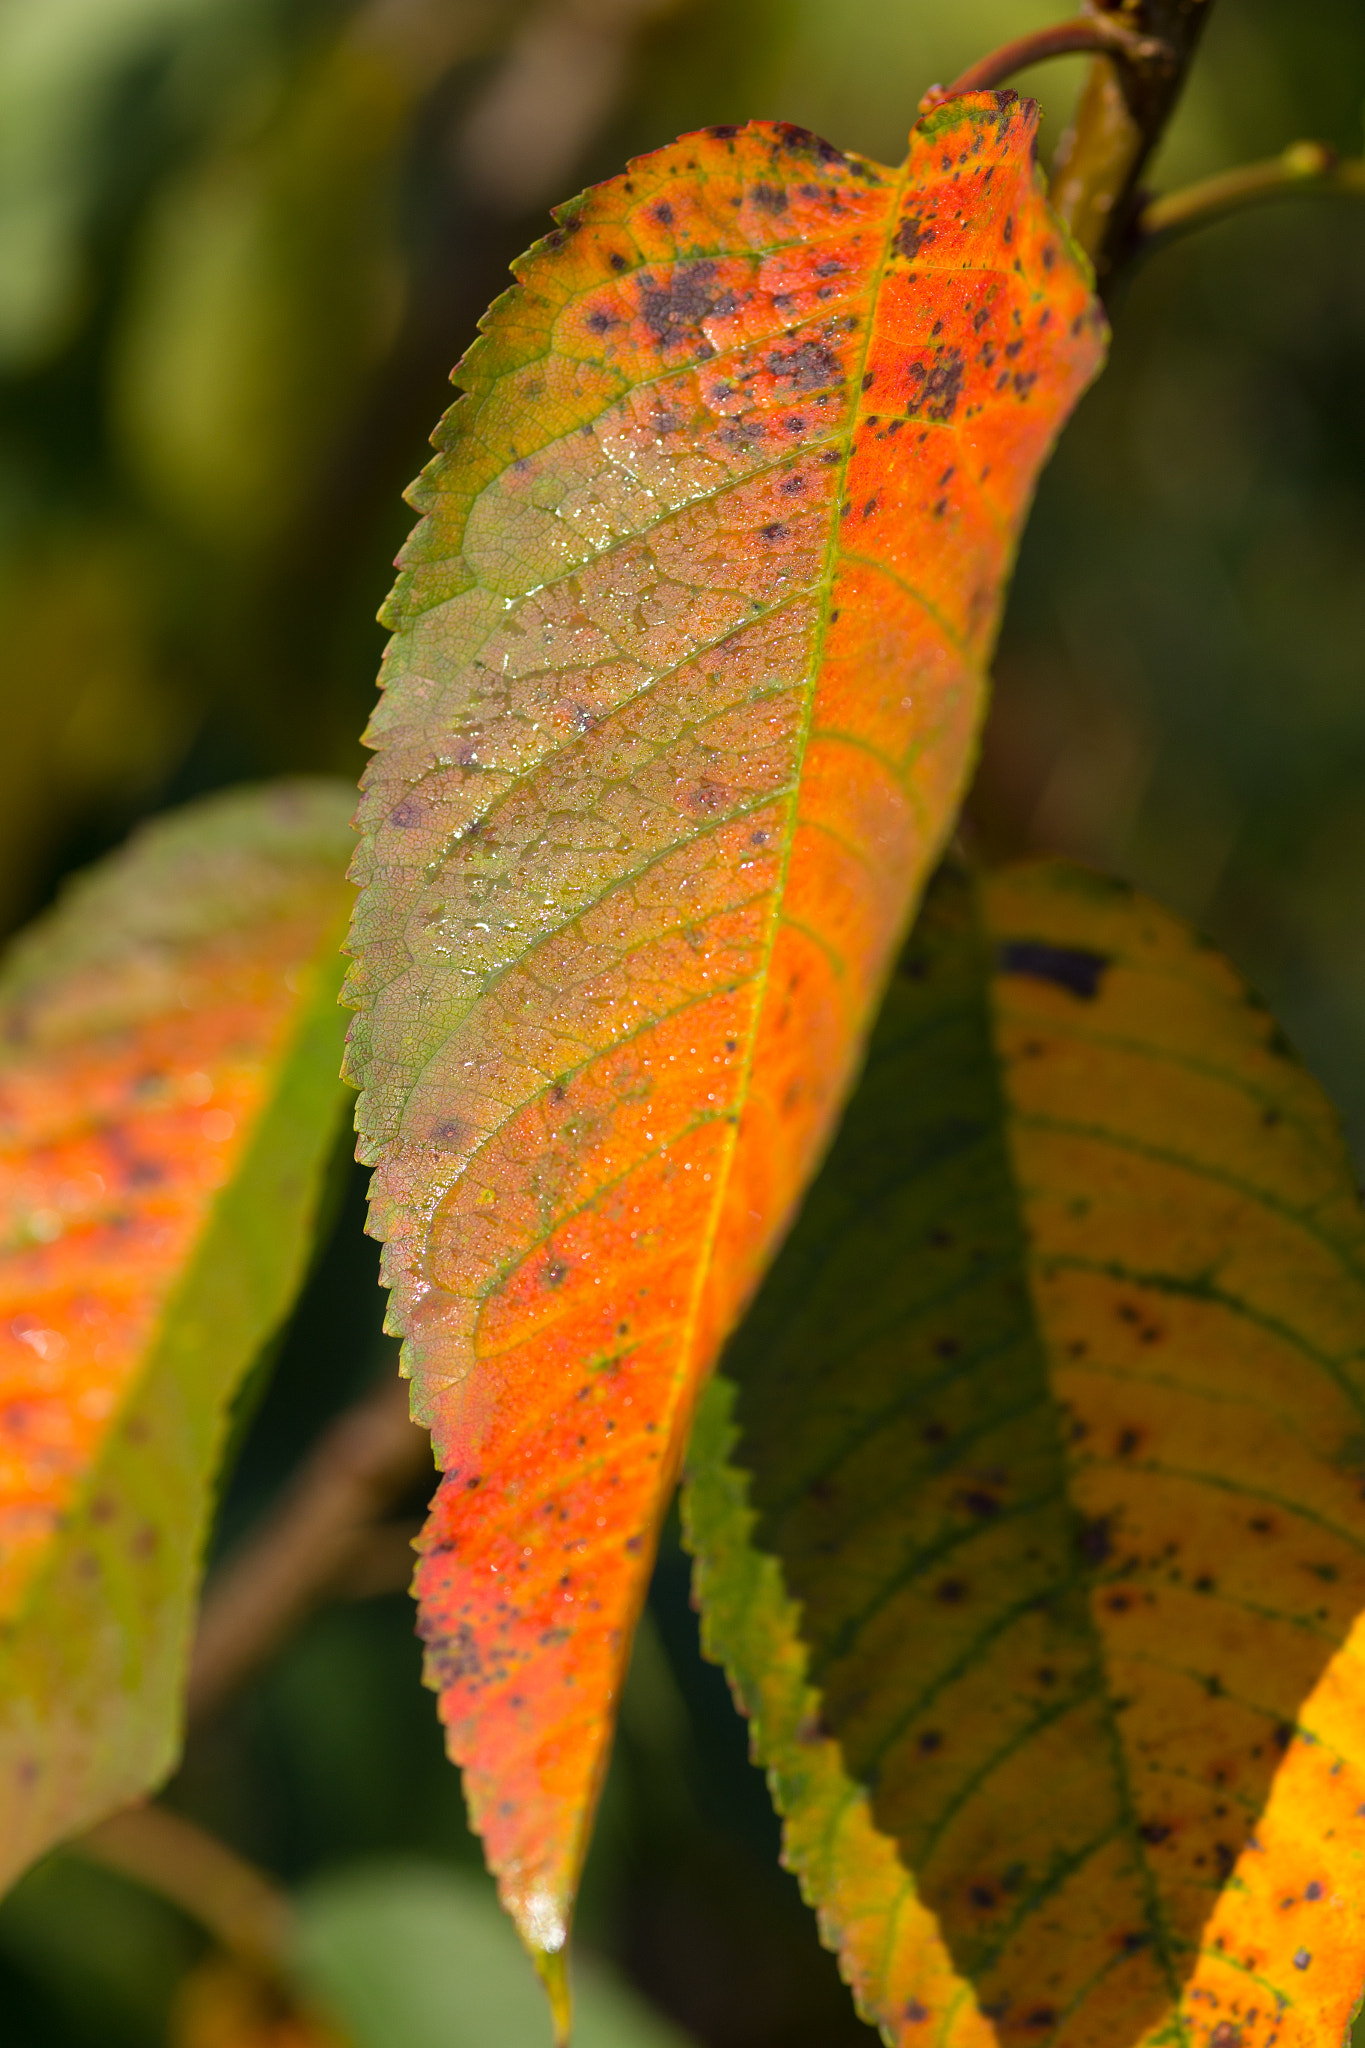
(241, 243)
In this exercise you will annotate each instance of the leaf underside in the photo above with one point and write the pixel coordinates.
(1028, 1505)
(169, 1039)
(687, 668)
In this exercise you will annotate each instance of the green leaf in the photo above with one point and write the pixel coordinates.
(169, 1041)
(409, 1955)
(1028, 1509)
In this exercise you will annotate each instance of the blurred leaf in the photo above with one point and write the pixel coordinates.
(168, 1046)
(1028, 1505)
(412, 1956)
(61, 63)
(665, 753)
(266, 287)
(269, 281)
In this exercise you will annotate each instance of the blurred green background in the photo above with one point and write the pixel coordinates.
(241, 243)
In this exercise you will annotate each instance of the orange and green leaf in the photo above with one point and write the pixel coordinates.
(1029, 1503)
(169, 1038)
(688, 665)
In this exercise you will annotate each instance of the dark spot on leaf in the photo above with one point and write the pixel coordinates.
(1095, 1541)
(979, 1503)
(455, 1657)
(809, 367)
(770, 198)
(1154, 1831)
(952, 1592)
(915, 2012)
(800, 142)
(556, 1272)
(1073, 968)
(940, 387)
(617, 260)
(911, 236)
(673, 312)
(1302, 1959)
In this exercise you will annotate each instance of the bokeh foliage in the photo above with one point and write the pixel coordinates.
(241, 243)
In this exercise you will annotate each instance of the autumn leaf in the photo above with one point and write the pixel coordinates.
(169, 1038)
(1028, 1505)
(687, 670)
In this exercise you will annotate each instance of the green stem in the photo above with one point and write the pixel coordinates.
(1122, 114)
(1307, 167)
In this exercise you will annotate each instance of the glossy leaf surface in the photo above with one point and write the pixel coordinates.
(169, 1039)
(687, 671)
(1028, 1504)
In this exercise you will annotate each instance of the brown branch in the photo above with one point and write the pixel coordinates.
(323, 1538)
(169, 1855)
(1121, 116)
(1096, 33)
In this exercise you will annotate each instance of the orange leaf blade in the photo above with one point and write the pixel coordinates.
(687, 671)
(168, 1048)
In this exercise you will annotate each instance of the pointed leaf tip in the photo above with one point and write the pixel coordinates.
(688, 663)
(553, 1966)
